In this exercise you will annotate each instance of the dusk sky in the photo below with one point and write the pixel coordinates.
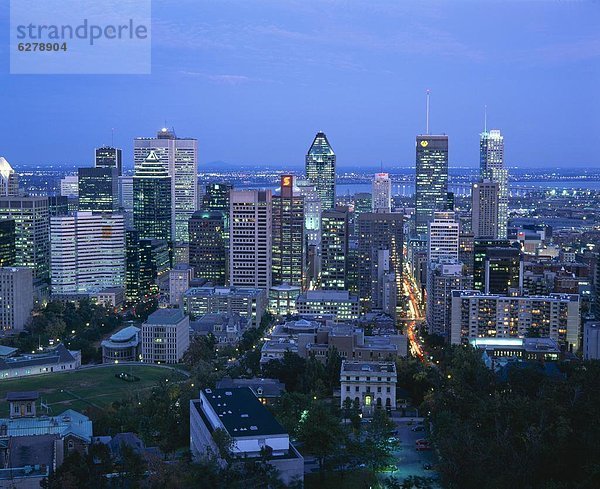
(254, 80)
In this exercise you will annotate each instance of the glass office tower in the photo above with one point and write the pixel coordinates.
(320, 170)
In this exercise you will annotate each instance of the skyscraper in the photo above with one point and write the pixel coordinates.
(334, 248)
(32, 244)
(208, 252)
(109, 157)
(98, 189)
(87, 252)
(9, 180)
(250, 259)
(380, 242)
(289, 257)
(382, 193)
(152, 199)
(179, 156)
(443, 237)
(491, 159)
(484, 209)
(320, 170)
(431, 191)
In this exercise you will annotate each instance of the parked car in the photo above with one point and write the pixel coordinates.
(419, 427)
(422, 445)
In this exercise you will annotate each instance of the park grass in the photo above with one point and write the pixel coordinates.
(356, 479)
(87, 388)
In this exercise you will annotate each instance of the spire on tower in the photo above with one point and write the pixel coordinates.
(427, 114)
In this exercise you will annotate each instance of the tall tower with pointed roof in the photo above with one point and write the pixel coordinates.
(320, 170)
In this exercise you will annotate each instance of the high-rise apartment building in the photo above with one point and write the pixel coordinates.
(478, 315)
(382, 193)
(380, 245)
(8, 252)
(208, 252)
(32, 243)
(152, 213)
(334, 248)
(431, 189)
(109, 157)
(484, 208)
(320, 170)
(98, 189)
(443, 236)
(87, 252)
(179, 157)
(9, 179)
(289, 256)
(250, 248)
(491, 159)
(16, 297)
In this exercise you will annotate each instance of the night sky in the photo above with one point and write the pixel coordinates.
(254, 80)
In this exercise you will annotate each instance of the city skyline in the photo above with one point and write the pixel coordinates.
(375, 63)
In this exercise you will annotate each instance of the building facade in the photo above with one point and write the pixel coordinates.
(109, 157)
(491, 157)
(16, 297)
(165, 336)
(485, 208)
(98, 189)
(32, 234)
(443, 236)
(250, 252)
(87, 252)
(289, 254)
(208, 250)
(477, 315)
(179, 157)
(248, 302)
(371, 385)
(152, 204)
(431, 179)
(334, 249)
(382, 193)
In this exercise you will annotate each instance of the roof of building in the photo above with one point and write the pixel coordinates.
(69, 422)
(234, 291)
(56, 355)
(166, 316)
(328, 295)
(6, 351)
(124, 338)
(375, 367)
(260, 387)
(241, 413)
(22, 396)
(31, 450)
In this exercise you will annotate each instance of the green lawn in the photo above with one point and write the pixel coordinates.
(357, 479)
(82, 389)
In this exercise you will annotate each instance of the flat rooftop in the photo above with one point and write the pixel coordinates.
(374, 367)
(241, 413)
(166, 316)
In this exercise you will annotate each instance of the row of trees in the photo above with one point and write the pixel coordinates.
(528, 430)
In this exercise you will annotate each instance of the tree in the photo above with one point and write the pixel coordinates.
(320, 432)
(289, 370)
(378, 444)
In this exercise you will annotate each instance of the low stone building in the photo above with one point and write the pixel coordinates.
(50, 360)
(370, 384)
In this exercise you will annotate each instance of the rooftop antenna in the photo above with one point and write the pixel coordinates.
(112, 137)
(427, 118)
(485, 118)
